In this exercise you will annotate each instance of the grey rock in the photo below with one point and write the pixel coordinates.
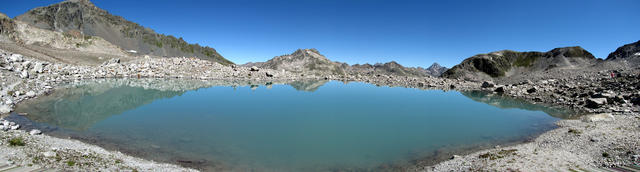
(598, 117)
(35, 132)
(38, 67)
(49, 154)
(488, 84)
(595, 102)
(24, 74)
(4, 109)
(268, 74)
(253, 68)
(15, 58)
(15, 127)
(499, 90)
(31, 93)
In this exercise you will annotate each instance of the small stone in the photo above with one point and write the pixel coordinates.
(35, 132)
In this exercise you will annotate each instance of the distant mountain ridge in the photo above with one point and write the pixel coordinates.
(311, 61)
(84, 17)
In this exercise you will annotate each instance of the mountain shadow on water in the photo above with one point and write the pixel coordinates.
(504, 102)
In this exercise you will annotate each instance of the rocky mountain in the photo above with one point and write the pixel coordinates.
(84, 17)
(389, 68)
(626, 51)
(70, 47)
(310, 61)
(303, 61)
(509, 63)
(436, 70)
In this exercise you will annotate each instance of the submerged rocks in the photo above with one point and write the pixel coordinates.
(595, 102)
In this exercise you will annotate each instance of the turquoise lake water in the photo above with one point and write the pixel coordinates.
(302, 126)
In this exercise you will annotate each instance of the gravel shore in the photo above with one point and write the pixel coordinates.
(607, 138)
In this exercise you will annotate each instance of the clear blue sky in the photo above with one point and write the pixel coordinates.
(413, 33)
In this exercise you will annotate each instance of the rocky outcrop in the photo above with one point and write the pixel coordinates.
(627, 51)
(509, 63)
(84, 17)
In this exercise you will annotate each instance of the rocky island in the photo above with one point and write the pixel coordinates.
(44, 48)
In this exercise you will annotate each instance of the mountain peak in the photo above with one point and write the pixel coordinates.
(435, 65)
(83, 2)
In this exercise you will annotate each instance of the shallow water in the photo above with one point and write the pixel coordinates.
(303, 126)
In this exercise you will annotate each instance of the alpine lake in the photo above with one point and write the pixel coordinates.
(314, 125)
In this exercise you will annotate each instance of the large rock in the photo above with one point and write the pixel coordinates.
(24, 74)
(4, 109)
(15, 58)
(488, 84)
(35, 132)
(595, 102)
(38, 68)
(253, 68)
(598, 117)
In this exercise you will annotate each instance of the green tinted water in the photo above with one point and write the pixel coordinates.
(312, 126)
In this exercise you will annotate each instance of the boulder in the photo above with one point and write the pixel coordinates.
(31, 93)
(15, 127)
(3, 128)
(254, 68)
(24, 74)
(38, 68)
(488, 84)
(35, 132)
(4, 109)
(595, 102)
(15, 58)
(268, 74)
(532, 90)
(598, 117)
(499, 90)
(635, 101)
(49, 154)
(110, 62)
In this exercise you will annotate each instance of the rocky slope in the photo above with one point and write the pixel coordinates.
(84, 17)
(508, 63)
(627, 51)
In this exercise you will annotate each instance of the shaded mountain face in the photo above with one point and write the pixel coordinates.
(83, 16)
(627, 51)
(509, 63)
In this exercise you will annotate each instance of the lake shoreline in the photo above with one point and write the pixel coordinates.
(613, 137)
